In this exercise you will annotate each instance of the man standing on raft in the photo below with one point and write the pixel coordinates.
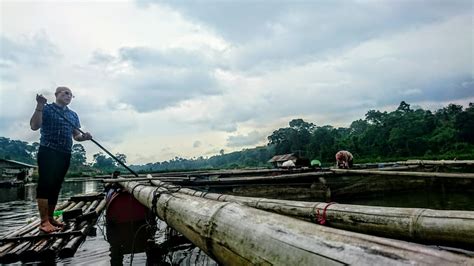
(54, 153)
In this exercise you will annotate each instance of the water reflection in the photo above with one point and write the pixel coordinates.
(130, 238)
(26, 192)
(119, 245)
(73, 188)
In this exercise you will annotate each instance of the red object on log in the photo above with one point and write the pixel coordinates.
(124, 208)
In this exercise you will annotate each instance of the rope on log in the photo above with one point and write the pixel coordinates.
(244, 235)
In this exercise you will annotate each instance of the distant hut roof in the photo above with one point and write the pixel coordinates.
(4, 163)
(282, 158)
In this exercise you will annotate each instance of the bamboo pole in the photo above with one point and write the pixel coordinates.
(51, 249)
(38, 250)
(234, 234)
(227, 179)
(4, 249)
(395, 168)
(37, 237)
(114, 180)
(414, 224)
(394, 173)
(27, 248)
(439, 162)
(71, 246)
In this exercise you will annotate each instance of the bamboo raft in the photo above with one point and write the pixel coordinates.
(26, 244)
(452, 228)
(235, 234)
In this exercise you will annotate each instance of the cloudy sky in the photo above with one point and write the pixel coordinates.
(159, 79)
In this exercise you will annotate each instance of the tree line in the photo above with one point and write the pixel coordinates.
(383, 136)
(404, 133)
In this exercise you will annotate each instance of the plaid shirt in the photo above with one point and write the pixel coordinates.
(56, 133)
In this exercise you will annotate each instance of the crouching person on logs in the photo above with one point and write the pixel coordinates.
(344, 159)
(54, 153)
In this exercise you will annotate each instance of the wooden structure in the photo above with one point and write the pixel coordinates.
(236, 234)
(28, 244)
(14, 172)
(289, 160)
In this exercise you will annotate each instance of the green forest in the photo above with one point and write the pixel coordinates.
(404, 133)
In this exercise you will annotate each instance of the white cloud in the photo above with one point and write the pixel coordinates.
(189, 79)
(251, 139)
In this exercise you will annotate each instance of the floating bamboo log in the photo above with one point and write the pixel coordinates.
(114, 180)
(228, 180)
(439, 162)
(307, 177)
(38, 249)
(71, 246)
(26, 229)
(454, 228)
(396, 168)
(29, 245)
(236, 235)
(417, 174)
(54, 246)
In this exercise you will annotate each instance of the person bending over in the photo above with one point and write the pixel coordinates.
(344, 159)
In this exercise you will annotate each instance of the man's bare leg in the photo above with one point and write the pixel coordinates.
(43, 208)
(52, 221)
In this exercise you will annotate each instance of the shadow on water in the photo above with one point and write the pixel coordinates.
(130, 238)
(152, 245)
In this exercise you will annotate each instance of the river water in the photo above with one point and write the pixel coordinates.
(107, 247)
(113, 247)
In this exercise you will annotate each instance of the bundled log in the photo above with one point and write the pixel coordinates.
(236, 234)
(455, 228)
(394, 173)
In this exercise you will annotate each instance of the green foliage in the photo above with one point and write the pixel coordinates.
(381, 136)
(403, 133)
(18, 150)
(107, 164)
(78, 157)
